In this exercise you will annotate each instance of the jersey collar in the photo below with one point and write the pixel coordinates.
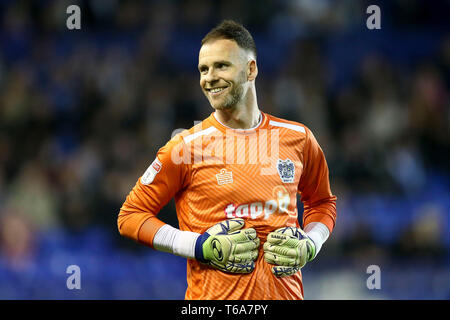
(215, 122)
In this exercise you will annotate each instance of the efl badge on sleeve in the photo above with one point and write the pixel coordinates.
(286, 170)
(151, 172)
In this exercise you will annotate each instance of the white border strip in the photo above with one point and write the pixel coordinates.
(195, 135)
(287, 125)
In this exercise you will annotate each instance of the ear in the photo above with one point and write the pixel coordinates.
(252, 70)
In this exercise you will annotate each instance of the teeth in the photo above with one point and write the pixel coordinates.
(215, 90)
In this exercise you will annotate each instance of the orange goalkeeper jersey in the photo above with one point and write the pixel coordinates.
(216, 173)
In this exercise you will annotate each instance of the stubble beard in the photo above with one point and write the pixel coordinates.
(234, 97)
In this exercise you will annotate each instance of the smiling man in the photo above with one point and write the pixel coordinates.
(239, 227)
(227, 77)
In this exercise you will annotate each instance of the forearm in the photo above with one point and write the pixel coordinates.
(131, 225)
(323, 211)
(154, 233)
(318, 233)
(137, 218)
(173, 240)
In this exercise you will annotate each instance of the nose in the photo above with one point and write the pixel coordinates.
(211, 76)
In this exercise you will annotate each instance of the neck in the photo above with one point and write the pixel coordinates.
(244, 115)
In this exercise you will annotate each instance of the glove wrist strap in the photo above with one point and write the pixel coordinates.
(313, 251)
(199, 247)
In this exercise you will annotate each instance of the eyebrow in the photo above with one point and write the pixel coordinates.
(226, 62)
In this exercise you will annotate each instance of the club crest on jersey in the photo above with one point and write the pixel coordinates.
(286, 170)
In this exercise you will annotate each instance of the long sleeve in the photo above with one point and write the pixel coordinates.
(160, 182)
(314, 187)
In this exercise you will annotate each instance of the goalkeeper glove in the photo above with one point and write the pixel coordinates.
(228, 247)
(289, 249)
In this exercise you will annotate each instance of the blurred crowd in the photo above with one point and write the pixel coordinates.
(83, 112)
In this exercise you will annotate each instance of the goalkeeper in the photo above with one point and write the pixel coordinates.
(238, 223)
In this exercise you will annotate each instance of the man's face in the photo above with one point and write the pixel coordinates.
(223, 75)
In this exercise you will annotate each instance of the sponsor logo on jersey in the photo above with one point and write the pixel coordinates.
(151, 172)
(286, 170)
(255, 210)
(264, 209)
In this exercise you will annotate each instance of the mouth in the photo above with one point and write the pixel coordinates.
(216, 91)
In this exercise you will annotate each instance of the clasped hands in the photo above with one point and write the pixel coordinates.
(230, 247)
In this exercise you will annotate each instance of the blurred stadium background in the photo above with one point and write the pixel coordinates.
(83, 112)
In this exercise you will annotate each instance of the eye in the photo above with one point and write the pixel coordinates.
(203, 69)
